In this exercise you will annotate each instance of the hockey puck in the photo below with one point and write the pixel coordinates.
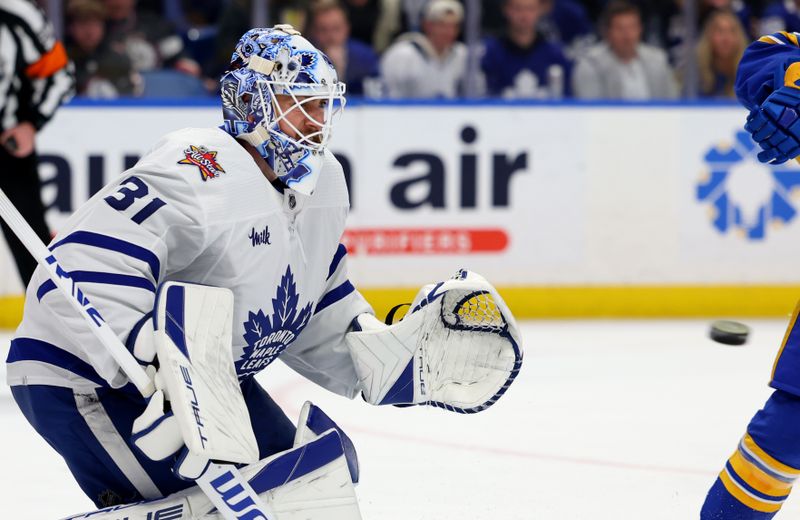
(729, 332)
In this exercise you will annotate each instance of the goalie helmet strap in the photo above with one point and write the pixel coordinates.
(256, 137)
(262, 65)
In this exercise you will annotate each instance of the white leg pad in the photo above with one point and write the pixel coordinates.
(326, 493)
(312, 481)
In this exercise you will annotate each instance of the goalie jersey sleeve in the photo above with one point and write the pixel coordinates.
(119, 246)
(768, 64)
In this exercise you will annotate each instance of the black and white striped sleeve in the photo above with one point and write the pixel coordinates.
(46, 77)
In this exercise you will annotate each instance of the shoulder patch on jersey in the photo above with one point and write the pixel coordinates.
(204, 159)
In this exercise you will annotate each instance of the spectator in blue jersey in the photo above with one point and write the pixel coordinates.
(622, 67)
(329, 30)
(522, 63)
(780, 15)
(431, 64)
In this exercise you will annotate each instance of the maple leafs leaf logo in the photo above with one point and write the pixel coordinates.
(267, 336)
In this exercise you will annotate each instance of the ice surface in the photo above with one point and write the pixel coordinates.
(607, 420)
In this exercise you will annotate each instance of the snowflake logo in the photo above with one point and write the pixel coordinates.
(745, 195)
(266, 338)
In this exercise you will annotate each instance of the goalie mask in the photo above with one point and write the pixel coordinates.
(268, 63)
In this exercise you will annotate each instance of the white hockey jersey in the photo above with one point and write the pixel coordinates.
(197, 209)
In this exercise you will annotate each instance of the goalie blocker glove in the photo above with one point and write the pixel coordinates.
(197, 411)
(458, 348)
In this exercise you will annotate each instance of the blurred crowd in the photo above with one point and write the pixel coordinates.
(517, 49)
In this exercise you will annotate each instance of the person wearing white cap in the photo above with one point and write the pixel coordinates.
(431, 64)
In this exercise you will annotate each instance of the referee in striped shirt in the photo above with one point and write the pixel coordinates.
(35, 78)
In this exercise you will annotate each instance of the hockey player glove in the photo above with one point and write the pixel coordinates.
(156, 432)
(775, 126)
(192, 340)
(458, 348)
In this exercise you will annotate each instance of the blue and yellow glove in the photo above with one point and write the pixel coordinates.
(775, 125)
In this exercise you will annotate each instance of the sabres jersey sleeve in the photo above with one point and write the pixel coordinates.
(136, 232)
(320, 353)
(768, 64)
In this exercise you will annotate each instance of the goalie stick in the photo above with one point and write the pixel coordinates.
(224, 485)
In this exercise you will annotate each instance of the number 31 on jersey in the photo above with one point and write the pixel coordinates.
(130, 190)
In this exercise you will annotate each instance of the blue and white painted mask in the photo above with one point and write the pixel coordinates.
(268, 63)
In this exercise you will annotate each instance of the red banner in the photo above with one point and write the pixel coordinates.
(424, 241)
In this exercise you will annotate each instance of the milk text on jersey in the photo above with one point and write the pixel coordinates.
(258, 238)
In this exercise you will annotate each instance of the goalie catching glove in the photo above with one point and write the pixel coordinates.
(197, 408)
(458, 348)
